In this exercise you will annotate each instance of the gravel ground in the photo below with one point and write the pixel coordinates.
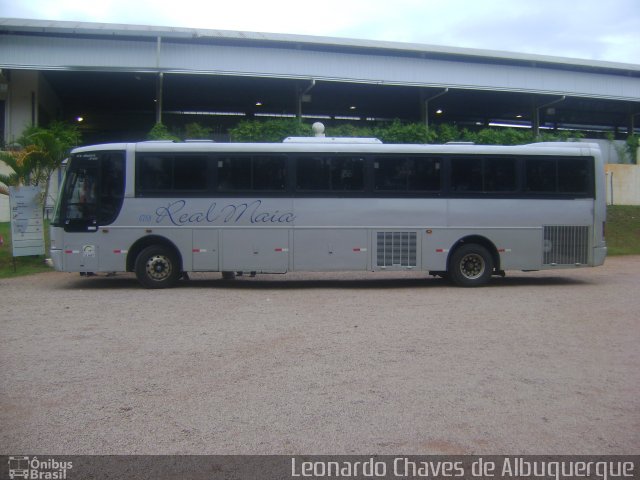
(363, 363)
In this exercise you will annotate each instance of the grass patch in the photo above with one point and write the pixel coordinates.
(623, 238)
(23, 265)
(623, 230)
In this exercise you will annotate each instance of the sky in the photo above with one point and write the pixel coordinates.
(585, 29)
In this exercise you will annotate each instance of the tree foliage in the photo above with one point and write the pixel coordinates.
(196, 131)
(274, 130)
(38, 153)
(633, 143)
(161, 132)
(394, 132)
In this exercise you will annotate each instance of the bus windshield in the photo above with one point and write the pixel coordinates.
(92, 193)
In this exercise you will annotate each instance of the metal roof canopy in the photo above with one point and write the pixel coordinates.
(106, 69)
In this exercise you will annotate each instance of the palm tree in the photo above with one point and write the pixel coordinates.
(50, 147)
(43, 151)
(22, 162)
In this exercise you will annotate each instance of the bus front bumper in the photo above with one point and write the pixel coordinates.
(56, 258)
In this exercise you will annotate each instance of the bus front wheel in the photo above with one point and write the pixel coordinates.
(157, 267)
(471, 266)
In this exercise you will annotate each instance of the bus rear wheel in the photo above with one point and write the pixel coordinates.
(157, 267)
(471, 266)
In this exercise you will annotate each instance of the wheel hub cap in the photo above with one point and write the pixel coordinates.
(472, 266)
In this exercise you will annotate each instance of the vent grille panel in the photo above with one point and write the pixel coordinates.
(396, 249)
(565, 245)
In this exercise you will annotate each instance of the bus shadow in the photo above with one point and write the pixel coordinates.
(128, 281)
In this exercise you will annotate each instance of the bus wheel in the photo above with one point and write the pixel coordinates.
(471, 265)
(157, 267)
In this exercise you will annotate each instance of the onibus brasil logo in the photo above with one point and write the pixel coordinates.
(33, 468)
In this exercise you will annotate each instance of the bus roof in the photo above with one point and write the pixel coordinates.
(330, 145)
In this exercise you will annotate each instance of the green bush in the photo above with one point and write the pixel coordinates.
(161, 132)
(633, 142)
(350, 130)
(196, 131)
(502, 136)
(274, 130)
(398, 132)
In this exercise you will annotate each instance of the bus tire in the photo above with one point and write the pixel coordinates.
(157, 267)
(471, 265)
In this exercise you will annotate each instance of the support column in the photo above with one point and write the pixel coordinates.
(426, 105)
(300, 97)
(159, 81)
(535, 118)
(21, 106)
(159, 93)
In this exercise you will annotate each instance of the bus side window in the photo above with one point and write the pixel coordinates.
(313, 173)
(406, 174)
(269, 173)
(347, 174)
(573, 175)
(234, 173)
(466, 174)
(155, 173)
(330, 174)
(111, 187)
(540, 175)
(392, 173)
(189, 173)
(500, 175)
(263, 173)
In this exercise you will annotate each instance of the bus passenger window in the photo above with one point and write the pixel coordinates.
(189, 173)
(392, 173)
(540, 175)
(466, 174)
(234, 173)
(313, 173)
(347, 174)
(335, 174)
(406, 174)
(269, 173)
(499, 175)
(264, 173)
(573, 175)
(111, 187)
(154, 173)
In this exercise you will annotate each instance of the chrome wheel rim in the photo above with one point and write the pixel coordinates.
(158, 267)
(472, 266)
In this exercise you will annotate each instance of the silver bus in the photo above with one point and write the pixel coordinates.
(465, 212)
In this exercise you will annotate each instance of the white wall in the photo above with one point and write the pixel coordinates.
(609, 149)
(23, 87)
(623, 184)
